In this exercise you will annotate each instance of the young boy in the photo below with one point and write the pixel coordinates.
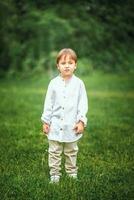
(64, 115)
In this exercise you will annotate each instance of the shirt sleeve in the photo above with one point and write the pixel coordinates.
(48, 105)
(82, 105)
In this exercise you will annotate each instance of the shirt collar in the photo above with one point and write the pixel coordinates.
(68, 80)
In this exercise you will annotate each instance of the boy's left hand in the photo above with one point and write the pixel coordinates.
(79, 127)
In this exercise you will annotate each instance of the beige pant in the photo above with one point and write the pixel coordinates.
(70, 151)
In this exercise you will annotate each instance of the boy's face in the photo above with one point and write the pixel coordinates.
(66, 66)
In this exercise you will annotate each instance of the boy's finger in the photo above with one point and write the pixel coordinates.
(75, 127)
(77, 132)
(45, 132)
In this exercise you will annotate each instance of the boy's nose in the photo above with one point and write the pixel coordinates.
(67, 65)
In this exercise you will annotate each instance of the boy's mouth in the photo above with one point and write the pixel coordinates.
(66, 70)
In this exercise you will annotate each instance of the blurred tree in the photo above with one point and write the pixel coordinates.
(32, 32)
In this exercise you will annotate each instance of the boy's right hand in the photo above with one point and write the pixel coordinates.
(46, 128)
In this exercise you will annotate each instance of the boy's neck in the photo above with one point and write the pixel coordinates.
(66, 77)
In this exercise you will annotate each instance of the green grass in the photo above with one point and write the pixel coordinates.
(105, 156)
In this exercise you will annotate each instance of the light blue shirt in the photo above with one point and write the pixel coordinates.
(65, 104)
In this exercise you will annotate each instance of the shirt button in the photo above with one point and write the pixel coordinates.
(61, 129)
(63, 108)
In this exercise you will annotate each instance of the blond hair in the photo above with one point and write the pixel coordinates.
(65, 52)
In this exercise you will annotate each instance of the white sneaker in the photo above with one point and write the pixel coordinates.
(54, 179)
(74, 176)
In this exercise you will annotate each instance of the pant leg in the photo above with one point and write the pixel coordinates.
(54, 157)
(70, 152)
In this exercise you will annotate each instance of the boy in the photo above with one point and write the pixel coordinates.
(64, 115)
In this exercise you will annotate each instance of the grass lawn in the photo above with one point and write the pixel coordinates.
(105, 156)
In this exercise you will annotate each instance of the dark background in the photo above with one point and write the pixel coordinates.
(32, 32)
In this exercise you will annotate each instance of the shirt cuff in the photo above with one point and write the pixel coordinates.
(45, 121)
(83, 119)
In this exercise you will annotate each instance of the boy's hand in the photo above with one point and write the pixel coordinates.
(79, 127)
(46, 128)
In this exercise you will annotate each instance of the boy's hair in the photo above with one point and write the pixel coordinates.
(65, 52)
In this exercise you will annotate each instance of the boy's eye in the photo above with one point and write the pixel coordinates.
(63, 63)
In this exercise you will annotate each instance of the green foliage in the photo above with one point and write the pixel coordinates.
(33, 31)
(84, 67)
